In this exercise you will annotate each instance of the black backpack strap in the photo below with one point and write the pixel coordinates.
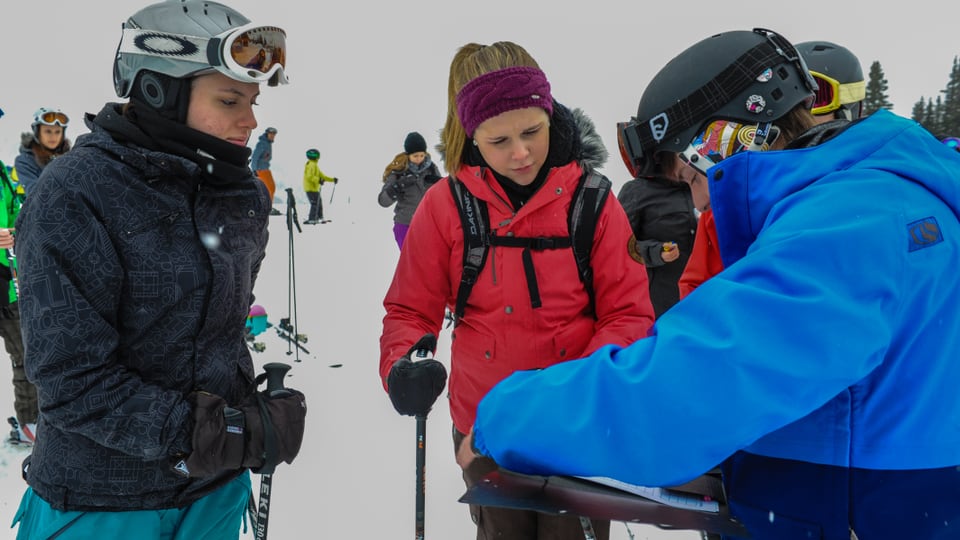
(585, 209)
(474, 222)
(529, 244)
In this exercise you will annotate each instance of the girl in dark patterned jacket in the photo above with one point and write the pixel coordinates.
(139, 253)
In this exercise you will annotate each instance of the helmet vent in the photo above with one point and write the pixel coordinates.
(776, 94)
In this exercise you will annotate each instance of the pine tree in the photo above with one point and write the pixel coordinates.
(919, 110)
(934, 118)
(876, 97)
(950, 112)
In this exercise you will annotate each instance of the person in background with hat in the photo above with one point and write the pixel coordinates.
(819, 368)
(46, 140)
(405, 180)
(313, 180)
(512, 145)
(260, 160)
(139, 251)
(24, 423)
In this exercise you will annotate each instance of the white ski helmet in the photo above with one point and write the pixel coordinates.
(180, 39)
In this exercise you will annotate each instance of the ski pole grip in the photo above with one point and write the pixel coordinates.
(276, 371)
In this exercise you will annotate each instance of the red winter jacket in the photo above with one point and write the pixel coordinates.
(500, 332)
(704, 261)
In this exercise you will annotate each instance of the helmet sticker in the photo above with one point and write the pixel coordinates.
(164, 45)
(658, 126)
(756, 104)
(765, 76)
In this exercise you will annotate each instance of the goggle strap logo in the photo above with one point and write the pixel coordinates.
(658, 126)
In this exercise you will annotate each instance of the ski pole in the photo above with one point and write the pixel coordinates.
(276, 371)
(418, 355)
(421, 482)
(332, 191)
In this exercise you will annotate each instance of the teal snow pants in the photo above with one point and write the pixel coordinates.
(218, 516)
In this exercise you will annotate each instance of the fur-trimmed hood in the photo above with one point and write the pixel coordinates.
(593, 153)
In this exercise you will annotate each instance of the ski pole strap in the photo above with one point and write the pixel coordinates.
(269, 439)
(263, 512)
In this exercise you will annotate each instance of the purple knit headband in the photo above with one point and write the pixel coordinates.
(500, 91)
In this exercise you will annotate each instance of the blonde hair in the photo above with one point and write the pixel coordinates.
(398, 164)
(471, 61)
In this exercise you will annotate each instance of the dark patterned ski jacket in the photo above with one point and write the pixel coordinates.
(136, 275)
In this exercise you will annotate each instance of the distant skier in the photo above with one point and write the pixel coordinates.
(313, 180)
(46, 140)
(260, 160)
(24, 424)
(405, 180)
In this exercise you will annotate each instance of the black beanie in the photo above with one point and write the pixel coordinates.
(414, 143)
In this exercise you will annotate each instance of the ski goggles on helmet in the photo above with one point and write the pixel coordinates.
(247, 53)
(831, 93)
(631, 151)
(51, 118)
(721, 139)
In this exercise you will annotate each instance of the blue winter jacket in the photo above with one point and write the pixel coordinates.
(262, 154)
(832, 336)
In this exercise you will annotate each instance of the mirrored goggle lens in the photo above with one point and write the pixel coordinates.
(54, 119)
(827, 98)
(629, 145)
(260, 51)
(724, 138)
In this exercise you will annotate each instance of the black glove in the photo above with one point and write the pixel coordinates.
(415, 384)
(226, 438)
(335, 179)
(393, 191)
(430, 179)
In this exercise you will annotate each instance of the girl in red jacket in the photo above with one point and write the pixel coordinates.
(524, 155)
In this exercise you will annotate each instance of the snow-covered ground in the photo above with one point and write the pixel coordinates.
(355, 475)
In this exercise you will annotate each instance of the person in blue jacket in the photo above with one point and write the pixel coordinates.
(819, 368)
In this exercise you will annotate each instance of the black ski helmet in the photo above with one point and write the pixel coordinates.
(840, 64)
(313, 153)
(751, 77)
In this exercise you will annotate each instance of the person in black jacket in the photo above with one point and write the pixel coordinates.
(662, 214)
(139, 251)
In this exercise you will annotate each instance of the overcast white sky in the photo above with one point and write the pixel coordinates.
(364, 73)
